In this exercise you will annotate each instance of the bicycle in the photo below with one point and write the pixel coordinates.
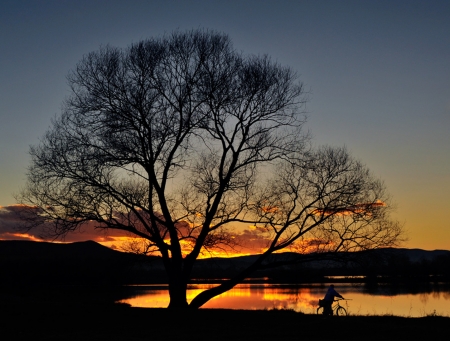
(336, 308)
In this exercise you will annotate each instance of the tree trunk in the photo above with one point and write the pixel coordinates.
(177, 294)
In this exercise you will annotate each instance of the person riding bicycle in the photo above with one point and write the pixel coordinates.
(329, 299)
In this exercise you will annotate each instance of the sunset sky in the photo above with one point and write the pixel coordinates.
(378, 74)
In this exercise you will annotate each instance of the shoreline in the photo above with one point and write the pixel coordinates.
(50, 319)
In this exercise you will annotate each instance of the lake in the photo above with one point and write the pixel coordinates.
(378, 300)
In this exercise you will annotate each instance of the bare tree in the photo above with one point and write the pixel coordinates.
(318, 201)
(169, 140)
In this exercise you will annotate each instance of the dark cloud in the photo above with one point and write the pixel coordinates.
(12, 227)
(10, 220)
(252, 240)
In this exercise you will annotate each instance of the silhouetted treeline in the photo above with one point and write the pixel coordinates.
(383, 265)
(24, 262)
(398, 266)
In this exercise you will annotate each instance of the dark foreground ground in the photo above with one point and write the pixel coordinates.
(49, 318)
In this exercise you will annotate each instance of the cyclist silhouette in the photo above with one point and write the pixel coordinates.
(328, 300)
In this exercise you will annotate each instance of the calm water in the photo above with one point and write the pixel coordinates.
(380, 300)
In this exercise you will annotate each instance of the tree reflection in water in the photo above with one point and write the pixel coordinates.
(304, 298)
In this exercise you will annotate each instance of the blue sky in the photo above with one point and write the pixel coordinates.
(378, 73)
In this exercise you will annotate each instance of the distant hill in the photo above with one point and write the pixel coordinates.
(25, 262)
(29, 249)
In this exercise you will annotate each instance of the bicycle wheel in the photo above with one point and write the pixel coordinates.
(340, 311)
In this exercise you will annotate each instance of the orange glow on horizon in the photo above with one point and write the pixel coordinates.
(17, 205)
(23, 236)
(118, 243)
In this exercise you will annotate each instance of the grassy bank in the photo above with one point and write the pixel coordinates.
(52, 320)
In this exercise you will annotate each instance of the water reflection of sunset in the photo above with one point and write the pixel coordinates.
(243, 296)
(304, 299)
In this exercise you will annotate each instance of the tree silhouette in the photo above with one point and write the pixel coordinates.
(179, 139)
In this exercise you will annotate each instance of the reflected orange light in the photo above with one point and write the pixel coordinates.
(305, 299)
(243, 296)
